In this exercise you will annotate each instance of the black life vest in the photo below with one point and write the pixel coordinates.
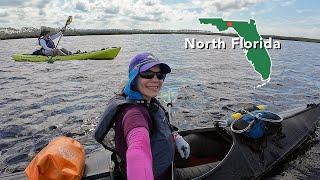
(161, 140)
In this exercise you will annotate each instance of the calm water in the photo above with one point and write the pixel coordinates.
(40, 101)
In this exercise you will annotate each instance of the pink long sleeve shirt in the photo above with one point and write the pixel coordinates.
(132, 140)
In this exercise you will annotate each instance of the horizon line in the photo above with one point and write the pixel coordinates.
(77, 32)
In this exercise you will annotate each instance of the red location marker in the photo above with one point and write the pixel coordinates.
(229, 23)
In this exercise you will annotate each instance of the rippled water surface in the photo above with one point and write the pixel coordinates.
(40, 101)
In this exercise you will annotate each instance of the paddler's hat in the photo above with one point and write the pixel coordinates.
(146, 61)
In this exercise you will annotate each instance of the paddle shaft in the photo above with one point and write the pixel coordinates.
(69, 20)
(50, 60)
(61, 36)
(170, 111)
(67, 23)
(169, 105)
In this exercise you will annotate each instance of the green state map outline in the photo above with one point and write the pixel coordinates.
(248, 31)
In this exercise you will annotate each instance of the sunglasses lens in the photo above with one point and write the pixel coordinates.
(147, 74)
(161, 76)
(150, 75)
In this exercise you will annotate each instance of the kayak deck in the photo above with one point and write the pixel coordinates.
(104, 54)
(229, 155)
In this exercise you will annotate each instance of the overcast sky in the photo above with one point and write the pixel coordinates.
(278, 17)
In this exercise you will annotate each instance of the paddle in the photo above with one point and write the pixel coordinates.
(169, 99)
(69, 20)
(169, 105)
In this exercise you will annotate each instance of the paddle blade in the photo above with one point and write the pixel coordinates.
(69, 20)
(169, 97)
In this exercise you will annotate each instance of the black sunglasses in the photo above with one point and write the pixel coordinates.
(150, 74)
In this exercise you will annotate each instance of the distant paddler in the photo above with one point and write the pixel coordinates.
(48, 47)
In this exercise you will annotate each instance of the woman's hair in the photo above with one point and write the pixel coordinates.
(42, 33)
(121, 88)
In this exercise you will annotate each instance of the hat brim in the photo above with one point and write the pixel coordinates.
(164, 67)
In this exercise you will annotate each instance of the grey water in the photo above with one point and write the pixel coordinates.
(40, 101)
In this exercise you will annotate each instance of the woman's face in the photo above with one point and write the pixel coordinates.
(150, 87)
(46, 35)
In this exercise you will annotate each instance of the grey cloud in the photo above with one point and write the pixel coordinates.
(82, 7)
(109, 16)
(149, 18)
(42, 4)
(4, 14)
(150, 3)
(21, 13)
(156, 15)
(13, 3)
(234, 5)
(229, 5)
(106, 17)
(42, 12)
(112, 10)
(197, 10)
(25, 3)
(57, 23)
(4, 21)
(78, 17)
(146, 2)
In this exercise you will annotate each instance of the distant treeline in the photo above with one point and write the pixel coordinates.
(11, 33)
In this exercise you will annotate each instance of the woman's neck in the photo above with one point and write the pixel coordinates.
(148, 99)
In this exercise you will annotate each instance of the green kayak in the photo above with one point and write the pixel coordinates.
(103, 54)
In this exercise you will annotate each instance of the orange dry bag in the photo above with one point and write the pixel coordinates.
(62, 159)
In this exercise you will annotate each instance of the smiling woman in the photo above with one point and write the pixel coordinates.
(148, 84)
(144, 138)
(143, 84)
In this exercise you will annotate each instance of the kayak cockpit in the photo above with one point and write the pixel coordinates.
(208, 148)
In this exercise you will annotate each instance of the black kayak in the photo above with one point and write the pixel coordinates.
(225, 155)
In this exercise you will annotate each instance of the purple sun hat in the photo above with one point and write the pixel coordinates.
(146, 61)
